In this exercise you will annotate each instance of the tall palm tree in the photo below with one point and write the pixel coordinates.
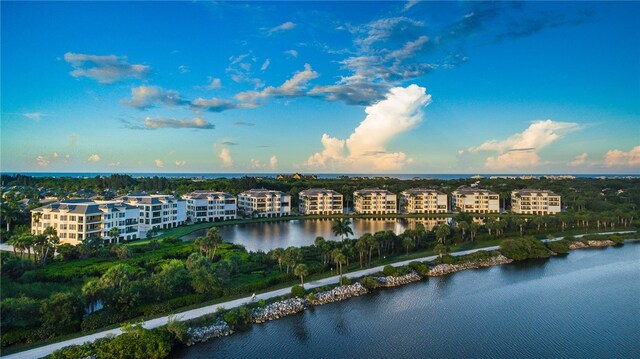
(342, 227)
(301, 271)
(442, 232)
(339, 259)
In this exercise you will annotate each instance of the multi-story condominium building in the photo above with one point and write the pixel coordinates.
(423, 200)
(475, 200)
(320, 201)
(264, 203)
(210, 206)
(158, 211)
(78, 219)
(375, 201)
(535, 201)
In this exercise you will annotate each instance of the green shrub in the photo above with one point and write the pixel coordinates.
(262, 303)
(345, 281)
(389, 270)
(524, 248)
(297, 291)
(420, 268)
(560, 247)
(238, 316)
(311, 297)
(15, 336)
(102, 318)
(616, 239)
(14, 267)
(369, 283)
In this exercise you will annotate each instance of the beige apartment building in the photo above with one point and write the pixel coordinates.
(320, 201)
(375, 201)
(475, 200)
(210, 206)
(78, 219)
(535, 201)
(423, 200)
(264, 203)
(157, 211)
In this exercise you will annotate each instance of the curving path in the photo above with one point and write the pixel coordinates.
(195, 313)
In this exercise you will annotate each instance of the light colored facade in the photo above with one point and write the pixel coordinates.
(475, 200)
(264, 203)
(320, 201)
(535, 201)
(78, 219)
(423, 200)
(375, 201)
(158, 211)
(210, 206)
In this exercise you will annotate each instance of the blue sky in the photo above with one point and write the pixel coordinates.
(320, 87)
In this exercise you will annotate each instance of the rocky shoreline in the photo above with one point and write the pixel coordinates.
(202, 334)
(442, 269)
(279, 309)
(339, 293)
(391, 281)
(591, 244)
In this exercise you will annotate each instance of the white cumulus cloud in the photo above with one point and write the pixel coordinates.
(94, 158)
(366, 148)
(105, 69)
(181, 163)
(159, 163)
(273, 162)
(618, 158)
(521, 149)
(580, 160)
(225, 156)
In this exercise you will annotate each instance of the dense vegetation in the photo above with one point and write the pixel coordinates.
(90, 286)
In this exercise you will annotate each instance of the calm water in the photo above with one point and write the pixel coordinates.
(268, 235)
(584, 305)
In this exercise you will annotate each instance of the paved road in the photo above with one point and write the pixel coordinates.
(195, 313)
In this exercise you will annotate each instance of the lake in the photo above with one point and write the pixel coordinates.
(282, 234)
(584, 305)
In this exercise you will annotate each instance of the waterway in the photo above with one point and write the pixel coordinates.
(282, 234)
(584, 305)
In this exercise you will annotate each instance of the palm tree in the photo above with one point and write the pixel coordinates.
(215, 239)
(301, 271)
(464, 226)
(114, 233)
(277, 254)
(521, 222)
(342, 227)
(440, 249)
(474, 230)
(442, 232)
(361, 246)
(339, 259)
(407, 242)
(9, 213)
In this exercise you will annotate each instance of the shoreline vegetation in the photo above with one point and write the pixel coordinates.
(226, 322)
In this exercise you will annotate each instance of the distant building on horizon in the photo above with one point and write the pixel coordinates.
(210, 206)
(423, 200)
(159, 211)
(535, 201)
(475, 200)
(320, 201)
(264, 203)
(78, 219)
(375, 201)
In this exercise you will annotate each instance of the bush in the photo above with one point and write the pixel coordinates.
(616, 239)
(262, 303)
(14, 267)
(345, 281)
(419, 267)
(136, 343)
(389, 270)
(103, 318)
(311, 297)
(297, 291)
(560, 247)
(524, 248)
(238, 316)
(369, 283)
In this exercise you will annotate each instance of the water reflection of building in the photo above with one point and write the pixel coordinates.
(320, 201)
(423, 200)
(429, 224)
(375, 201)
